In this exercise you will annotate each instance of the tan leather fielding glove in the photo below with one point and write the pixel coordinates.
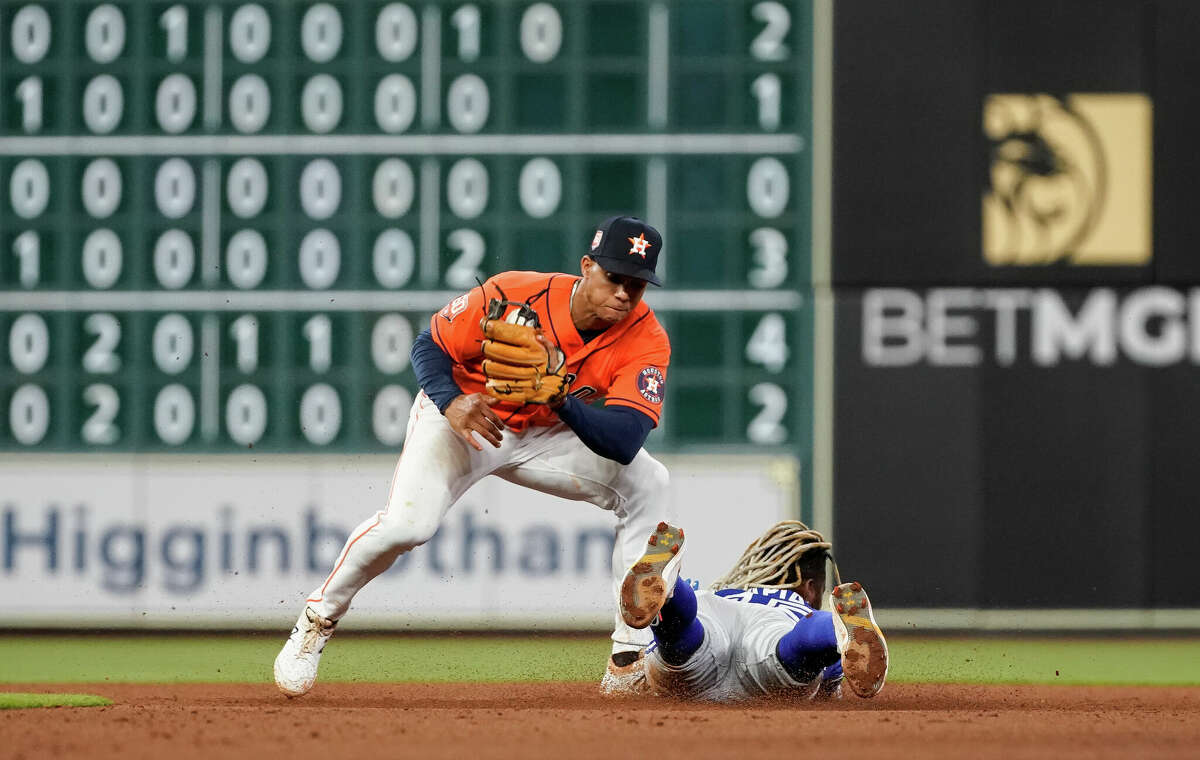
(519, 367)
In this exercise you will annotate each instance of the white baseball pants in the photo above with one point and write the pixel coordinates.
(737, 659)
(437, 466)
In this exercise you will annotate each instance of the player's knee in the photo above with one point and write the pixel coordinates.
(645, 483)
(652, 474)
(406, 528)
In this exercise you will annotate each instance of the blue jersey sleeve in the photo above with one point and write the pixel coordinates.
(432, 367)
(613, 432)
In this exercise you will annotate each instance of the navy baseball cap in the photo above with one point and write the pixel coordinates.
(627, 245)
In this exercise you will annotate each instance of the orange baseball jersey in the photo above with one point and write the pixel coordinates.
(626, 364)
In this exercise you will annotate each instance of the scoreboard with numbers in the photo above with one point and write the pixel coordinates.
(222, 223)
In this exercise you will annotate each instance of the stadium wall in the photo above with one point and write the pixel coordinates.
(1017, 308)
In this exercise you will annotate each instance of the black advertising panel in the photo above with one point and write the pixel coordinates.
(1002, 142)
(906, 140)
(1041, 441)
(1018, 320)
(908, 476)
(1173, 520)
(1064, 447)
(1177, 162)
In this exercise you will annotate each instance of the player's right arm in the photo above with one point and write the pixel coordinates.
(466, 412)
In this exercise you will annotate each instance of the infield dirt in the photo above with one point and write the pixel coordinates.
(573, 721)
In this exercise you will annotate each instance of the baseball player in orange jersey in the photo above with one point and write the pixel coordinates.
(479, 415)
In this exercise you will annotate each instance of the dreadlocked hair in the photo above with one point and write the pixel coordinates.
(782, 558)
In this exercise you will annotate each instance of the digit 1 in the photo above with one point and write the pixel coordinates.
(767, 89)
(466, 20)
(175, 21)
(318, 333)
(29, 92)
(245, 333)
(28, 248)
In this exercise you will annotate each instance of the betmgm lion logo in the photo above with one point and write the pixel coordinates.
(1069, 180)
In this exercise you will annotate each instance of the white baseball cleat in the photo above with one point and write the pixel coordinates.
(626, 678)
(649, 583)
(296, 665)
(864, 650)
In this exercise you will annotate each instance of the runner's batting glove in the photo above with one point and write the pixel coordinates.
(520, 367)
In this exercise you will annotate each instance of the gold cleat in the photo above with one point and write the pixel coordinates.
(648, 584)
(864, 650)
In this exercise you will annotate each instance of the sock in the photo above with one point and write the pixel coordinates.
(678, 633)
(809, 647)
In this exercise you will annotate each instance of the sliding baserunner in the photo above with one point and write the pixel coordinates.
(760, 631)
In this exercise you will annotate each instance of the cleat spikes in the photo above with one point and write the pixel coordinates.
(649, 582)
(862, 645)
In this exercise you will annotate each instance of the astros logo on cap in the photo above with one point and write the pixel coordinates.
(640, 244)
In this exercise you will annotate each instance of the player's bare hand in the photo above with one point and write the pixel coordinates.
(473, 412)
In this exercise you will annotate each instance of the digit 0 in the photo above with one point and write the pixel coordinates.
(320, 414)
(175, 188)
(29, 188)
(173, 343)
(29, 415)
(321, 33)
(541, 33)
(391, 341)
(174, 259)
(249, 33)
(249, 104)
(104, 34)
(28, 343)
(393, 258)
(467, 103)
(246, 415)
(175, 103)
(174, 414)
(396, 32)
(30, 34)
(103, 258)
(320, 259)
(103, 104)
(246, 188)
(321, 103)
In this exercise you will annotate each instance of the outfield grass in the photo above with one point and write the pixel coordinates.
(177, 659)
(18, 701)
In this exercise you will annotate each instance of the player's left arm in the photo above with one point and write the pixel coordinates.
(613, 432)
(633, 403)
(640, 383)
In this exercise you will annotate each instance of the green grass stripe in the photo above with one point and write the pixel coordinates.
(17, 700)
(441, 658)
(223, 659)
(1046, 660)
